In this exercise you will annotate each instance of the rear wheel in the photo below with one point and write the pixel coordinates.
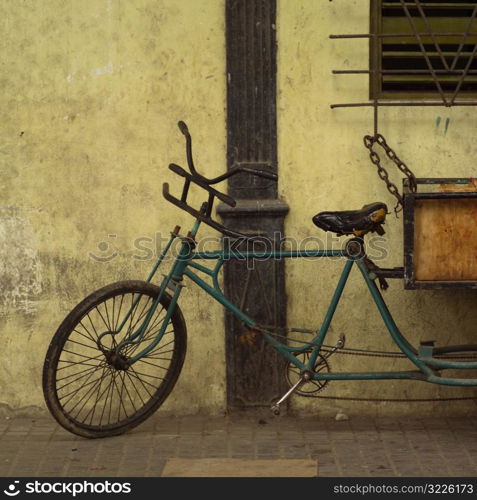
(89, 388)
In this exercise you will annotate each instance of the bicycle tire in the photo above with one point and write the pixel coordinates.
(74, 325)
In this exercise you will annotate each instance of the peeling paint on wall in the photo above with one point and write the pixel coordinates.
(106, 70)
(20, 270)
(97, 87)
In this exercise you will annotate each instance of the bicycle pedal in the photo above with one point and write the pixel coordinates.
(275, 409)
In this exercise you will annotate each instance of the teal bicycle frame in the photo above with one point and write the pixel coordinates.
(426, 365)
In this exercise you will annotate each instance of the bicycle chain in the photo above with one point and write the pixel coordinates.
(390, 400)
(391, 355)
(396, 400)
(369, 142)
(376, 355)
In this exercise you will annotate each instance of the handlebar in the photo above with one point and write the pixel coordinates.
(204, 214)
(259, 171)
(183, 128)
(221, 196)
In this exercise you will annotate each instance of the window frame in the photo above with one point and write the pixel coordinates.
(375, 66)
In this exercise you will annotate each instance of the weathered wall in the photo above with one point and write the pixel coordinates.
(91, 94)
(323, 161)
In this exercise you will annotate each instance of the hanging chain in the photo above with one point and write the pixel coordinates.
(369, 142)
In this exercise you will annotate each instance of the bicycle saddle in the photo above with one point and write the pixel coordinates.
(357, 222)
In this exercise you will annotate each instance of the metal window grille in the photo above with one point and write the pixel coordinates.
(420, 50)
(405, 64)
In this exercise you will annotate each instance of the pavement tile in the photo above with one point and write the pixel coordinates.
(375, 447)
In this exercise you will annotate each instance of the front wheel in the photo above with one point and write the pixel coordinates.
(90, 390)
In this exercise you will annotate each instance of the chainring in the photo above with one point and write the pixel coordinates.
(312, 387)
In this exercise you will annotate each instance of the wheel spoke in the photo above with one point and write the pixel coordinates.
(158, 320)
(84, 345)
(116, 324)
(124, 385)
(148, 335)
(99, 395)
(158, 357)
(142, 360)
(159, 347)
(160, 317)
(145, 374)
(86, 384)
(143, 382)
(92, 325)
(135, 388)
(76, 379)
(108, 328)
(81, 355)
(74, 363)
(112, 396)
(110, 387)
(105, 305)
(121, 404)
(142, 314)
(132, 327)
(73, 393)
(131, 349)
(89, 393)
(75, 374)
(88, 337)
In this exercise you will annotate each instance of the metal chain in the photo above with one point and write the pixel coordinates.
(376, 355)
(392, 400)
(369, 142)
(396, 400)
(368, 354)
(391, 355)
(399, 163)
(349, 351)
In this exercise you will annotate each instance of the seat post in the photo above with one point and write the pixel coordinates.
(355, 249)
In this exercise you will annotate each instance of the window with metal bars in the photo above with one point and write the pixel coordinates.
(424, 49)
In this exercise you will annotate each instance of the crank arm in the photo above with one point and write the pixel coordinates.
(276, 407)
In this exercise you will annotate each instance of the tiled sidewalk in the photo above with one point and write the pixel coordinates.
(301, 446)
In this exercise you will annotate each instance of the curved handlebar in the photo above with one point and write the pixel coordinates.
(266, 174)
(259, 172)
(190, 161)
(183, 128)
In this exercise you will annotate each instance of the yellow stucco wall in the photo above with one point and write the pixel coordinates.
(91, 94)
(323, 161)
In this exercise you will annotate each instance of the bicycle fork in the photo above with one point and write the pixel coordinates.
(172, 281)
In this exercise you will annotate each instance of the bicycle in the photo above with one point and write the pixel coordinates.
(118, 354)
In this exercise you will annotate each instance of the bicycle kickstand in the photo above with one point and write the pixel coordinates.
(275, 408)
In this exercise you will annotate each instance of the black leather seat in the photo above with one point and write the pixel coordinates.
(357, 222)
